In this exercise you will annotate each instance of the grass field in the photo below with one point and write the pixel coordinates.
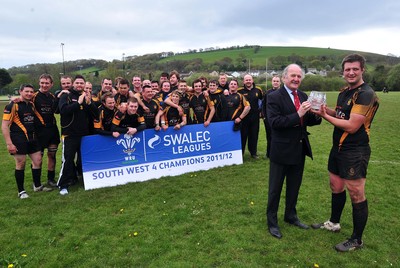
(213, 218)
(260, 57)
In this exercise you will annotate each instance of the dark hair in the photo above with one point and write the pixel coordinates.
(78, 76)
(196, 81)
(234, 80)
(66, 77)
(133, 100)
(354, 58)
(213, 82)
(204, 78)
(105, 96)
(146, 86)
(123, 81)
(106, 78)
(182, 81)
(46, 76)
(26, 85)
(164, 83)
(165, 75)
(176, 74)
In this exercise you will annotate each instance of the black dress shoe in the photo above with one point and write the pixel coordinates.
(274, 231)
(300, 224)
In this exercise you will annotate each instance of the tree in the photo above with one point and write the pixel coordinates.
(5, 78)
(393, 79)
(379, 76)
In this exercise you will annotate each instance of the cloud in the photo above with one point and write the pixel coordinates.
(106, 29)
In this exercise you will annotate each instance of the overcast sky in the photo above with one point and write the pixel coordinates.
(32, 31)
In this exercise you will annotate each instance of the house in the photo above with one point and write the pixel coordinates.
(235, 74)
(214, 73)
(186, 75)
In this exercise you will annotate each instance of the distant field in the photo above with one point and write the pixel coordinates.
(3, 98)
(260, 57)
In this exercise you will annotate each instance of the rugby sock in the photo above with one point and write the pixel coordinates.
(360, 217)
(20, 177)
(338, 202)
(36, 173)
(51, 174)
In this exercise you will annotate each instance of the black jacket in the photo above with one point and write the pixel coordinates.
(289, 142)
(75, 117)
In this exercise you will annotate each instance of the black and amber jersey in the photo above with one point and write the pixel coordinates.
(161, 96)
(361, 100)
(149, 117)
(200, 106)
(223, 87)
(184, 102)
(102, 124)
(254, 96)
(120, 99)
(171, 116)
(46, 105)
(219, 101)
(122, 121)
(235, 103)
(23, 117)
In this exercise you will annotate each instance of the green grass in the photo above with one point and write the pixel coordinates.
(213, 218)
(260, 57)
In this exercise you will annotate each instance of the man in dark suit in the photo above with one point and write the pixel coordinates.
(288, 115)
(276, 84)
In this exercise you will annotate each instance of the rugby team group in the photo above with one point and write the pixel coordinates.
(29, 128)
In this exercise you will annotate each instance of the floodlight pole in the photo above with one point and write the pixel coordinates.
(62, 50)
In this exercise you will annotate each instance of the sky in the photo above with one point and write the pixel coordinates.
(33, 31)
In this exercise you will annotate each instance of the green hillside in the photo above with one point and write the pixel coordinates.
(258, 55)
(204, 61)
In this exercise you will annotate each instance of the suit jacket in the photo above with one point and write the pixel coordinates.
(289, 136)
(264, 105)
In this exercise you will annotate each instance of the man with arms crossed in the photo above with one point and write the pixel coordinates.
(348, 160)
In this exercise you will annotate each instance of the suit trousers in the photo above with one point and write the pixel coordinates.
(277, 174)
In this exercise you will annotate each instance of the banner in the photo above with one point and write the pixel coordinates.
(150, 154)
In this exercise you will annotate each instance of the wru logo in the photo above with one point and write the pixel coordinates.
(129, 143)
